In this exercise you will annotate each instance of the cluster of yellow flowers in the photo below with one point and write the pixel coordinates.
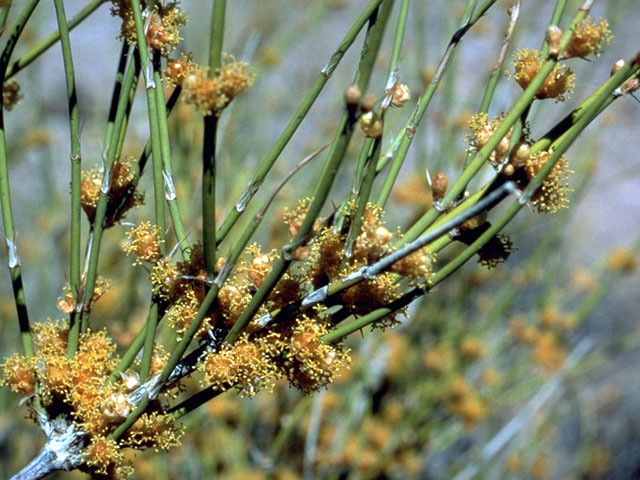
(80, 385)
(520, 165)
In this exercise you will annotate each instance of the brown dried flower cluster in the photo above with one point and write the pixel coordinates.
(122, 194)
(10, 94)
(211, 94)
(162, 31)
(482, 129)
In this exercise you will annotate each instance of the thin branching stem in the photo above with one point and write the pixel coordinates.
(496, 71)
(74, 133)
(339, 146)
(170, 194)
(5, 194)
(296, 120)
(399, 36)
(371, 149)
(97, 227)
(372, 42)
(471, 16)
(148, 72)
(44, 45)
(604, 93)
(520, 106)
(210, 135)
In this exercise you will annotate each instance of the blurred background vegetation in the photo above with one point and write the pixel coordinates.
(524, 371)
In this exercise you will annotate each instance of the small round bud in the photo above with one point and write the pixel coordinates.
(519, 155)
(631, 86)
(503, 147)
(439, 185)
(368, 102)
(474, 222)
(157, 36)
(177, 70)
(508, 170)
(401, 95)
(383, 235)
(10, 94)
(116, 407)
(553, 36)
(617, 66)
(352, 95)
(260, 267)
(66, 303)
(371, 125)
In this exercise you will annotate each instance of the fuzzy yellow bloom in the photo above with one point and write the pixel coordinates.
(558, 84)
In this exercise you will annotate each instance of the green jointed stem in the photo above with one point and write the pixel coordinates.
(373, 38)
(44, 45)
(470, 18)
(133, 416)
(148, 67)
(216, 36)
(239, 246)
(5, 193)
(356, 185)
(496, 71)
(555, 134)
(130, 79)
(138, 167)
(210, 137)
(556, 17)
(150, 326)
(397, 41)
(115, 96)
(74, 133)
(295, 121)
(167, 173)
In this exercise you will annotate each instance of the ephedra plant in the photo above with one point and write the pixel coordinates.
(222, 312)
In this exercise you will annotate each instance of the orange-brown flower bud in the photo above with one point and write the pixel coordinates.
(371, 125)
(439, 185)
(352, 95)
(369, 102)
(401, 95)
